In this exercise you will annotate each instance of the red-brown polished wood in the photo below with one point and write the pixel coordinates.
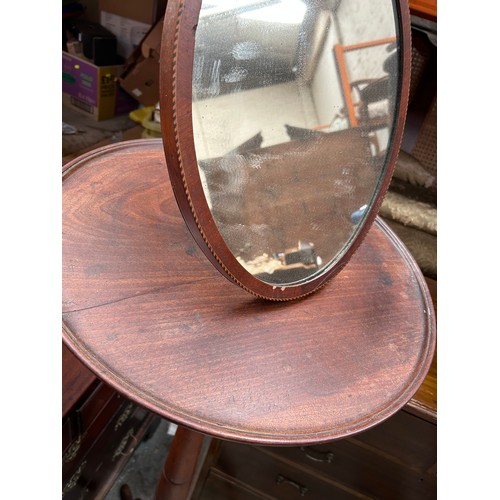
(77, 380)
(179, 467)
(144, 309)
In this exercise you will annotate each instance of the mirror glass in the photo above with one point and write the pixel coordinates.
(294, 105)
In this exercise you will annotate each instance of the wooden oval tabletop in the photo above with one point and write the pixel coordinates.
(147, 312)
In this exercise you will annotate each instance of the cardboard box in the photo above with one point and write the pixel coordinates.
(145, 11)
(93, 90)
(98, 43)
(141, 76)
(129, 33)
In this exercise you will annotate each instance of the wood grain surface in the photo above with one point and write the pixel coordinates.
(424, 8)
(146, 311)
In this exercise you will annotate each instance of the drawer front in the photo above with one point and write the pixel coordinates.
(396, 459)
(369, 473)
(277, 479)
(406, 438)
(218, 486)
(92, 407)
(67, 435)
(92, 474)
(85, 438)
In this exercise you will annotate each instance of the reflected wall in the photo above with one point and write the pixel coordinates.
(293, 107)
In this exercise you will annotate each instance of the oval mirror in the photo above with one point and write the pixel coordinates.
(282, 121)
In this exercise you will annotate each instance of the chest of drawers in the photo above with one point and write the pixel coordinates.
(100, 430)
(394, 460)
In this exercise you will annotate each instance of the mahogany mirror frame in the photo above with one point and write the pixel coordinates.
(176, 72)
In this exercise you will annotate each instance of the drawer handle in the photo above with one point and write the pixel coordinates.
(283, 480)
(74, 478)
(72, 451)
(318, 456)
(126, 413)
(123, 445)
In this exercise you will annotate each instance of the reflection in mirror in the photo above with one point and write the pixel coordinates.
(293, 111)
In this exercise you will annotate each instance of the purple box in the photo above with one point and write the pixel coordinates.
(93, 89)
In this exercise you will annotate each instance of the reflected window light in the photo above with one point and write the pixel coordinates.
(284, 12)
(216, 7)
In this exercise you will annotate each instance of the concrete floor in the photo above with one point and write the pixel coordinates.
(144, 467)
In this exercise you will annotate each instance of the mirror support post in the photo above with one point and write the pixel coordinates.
(180, 465)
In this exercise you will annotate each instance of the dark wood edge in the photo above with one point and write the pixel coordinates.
(419, 410)
(176, 63)
(78, 382)
(73, 165)
(214, 428)
(176, 58)
(126, 453)
(240, 435)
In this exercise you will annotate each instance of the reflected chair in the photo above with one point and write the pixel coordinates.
(374, 100)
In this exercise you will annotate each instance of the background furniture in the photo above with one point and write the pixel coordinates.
(394, 460)
(148, 314)
(280, 220)
(410, 206)
(100, 430)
